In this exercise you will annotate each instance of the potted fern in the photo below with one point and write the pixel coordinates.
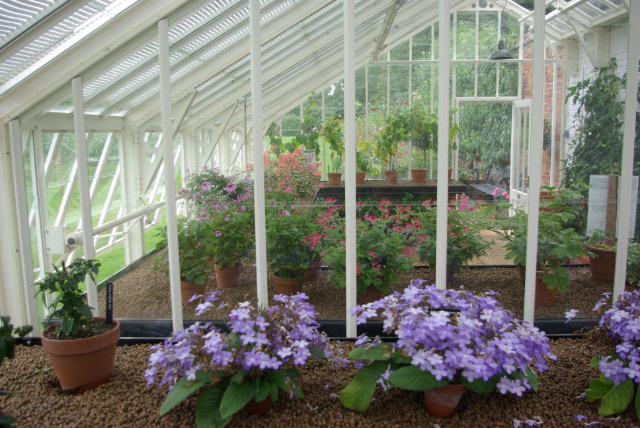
(81, 348)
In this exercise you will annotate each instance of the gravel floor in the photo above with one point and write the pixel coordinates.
(143, 293)
(127, 402)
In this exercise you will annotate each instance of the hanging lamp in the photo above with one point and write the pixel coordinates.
(500, 53)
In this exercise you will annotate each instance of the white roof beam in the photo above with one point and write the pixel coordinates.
(63, 122)
(87, 51)
(220, 62)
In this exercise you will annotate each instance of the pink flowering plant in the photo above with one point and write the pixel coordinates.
(289, 234)
(381, 250)
(255, 359)
(620, 369)
(291, 173)
(464, 240)
(445, 336)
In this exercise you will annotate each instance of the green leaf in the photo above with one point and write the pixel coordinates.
(66, 324)
(274, 392)
(235, 398)
(357, 395)
(208, 408)
(85, 311)
(617, 399)
(531, 376)
(2, 392)
(263, 390)
(637, 403)
(594, 363)
(481, 386)
(598, 388)
(414, 379)
(238, 377)
(380, 352)
(181, 390)
(280, 380)
(6, 420)
(316, 352)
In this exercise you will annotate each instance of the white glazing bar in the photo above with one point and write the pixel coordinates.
(42, 190)
(388, 82)
(110, 194)
(20, 195)
(169, 174)
(83, 188)
(37, 202)
(104, 158)
(443, 147)
(410, 98)
(535, 160)
(521, 56)
(475, 77)
(554, 96)
(68, 191)
(432, 91)
(350, 161)
(258, 158)
(563, 127)
(630, 106)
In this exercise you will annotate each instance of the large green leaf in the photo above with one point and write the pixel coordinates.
(594, 363)
(617, 399)
(6, 420)
(414, 379)
(236, 397)
(598, 388)
(481, 386)
(380, 352)
(637, 403)
(181, 390)
(357, 395)
(208, 408)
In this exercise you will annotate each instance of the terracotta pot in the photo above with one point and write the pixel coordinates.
(313, 271)
(545, 296)
(259, 408)
(227, 277)
(83, 364)
(442, 402)
(603, 265)
(334, 178)
(371, 295)
(288, 286)
(360, 176)
(188, 289)
(392, 176)
(419, 175)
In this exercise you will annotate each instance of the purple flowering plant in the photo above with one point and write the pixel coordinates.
(445, 336)
(230, 225)
(208, 185)
(620, 369)
(253, 360)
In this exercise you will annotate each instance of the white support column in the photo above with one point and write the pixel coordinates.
(350, 161)
(130, 191)
(554, 96)
(443, 147)
(169, 174)
(535, 160)
(630, 106)
(83, 188)
(24, 235)
(258, 157)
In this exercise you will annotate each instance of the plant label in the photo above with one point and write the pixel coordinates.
(109, 311)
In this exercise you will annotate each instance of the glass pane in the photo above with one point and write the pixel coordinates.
(487, 80)
(465, 80)
(400, 52)
(421, 47)
(487, 33)
(466, 36)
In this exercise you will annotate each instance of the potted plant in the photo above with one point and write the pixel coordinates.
(230, 237)
(464, 239)
(382, 252)
(81, 348)
(194, 253)
(287, 251)
(618, 384)
(207, 186)
(557, 243)
(244, 368)
(434, 327)
(387, 140)
(7, 346)
(602, 258)
(332, 133)
(422, 129)
(362, 167)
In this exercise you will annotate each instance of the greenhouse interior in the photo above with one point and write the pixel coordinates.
(304, 213)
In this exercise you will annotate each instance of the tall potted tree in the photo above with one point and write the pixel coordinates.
(81, 348)
(422, 129)
(387, 144)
